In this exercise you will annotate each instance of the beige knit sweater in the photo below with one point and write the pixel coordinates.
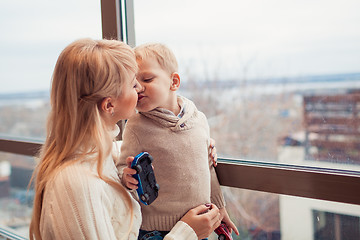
(182, 166)
(79, 205)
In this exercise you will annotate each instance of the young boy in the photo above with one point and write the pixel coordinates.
(177, 135)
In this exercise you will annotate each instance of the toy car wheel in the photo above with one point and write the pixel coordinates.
(221, 237)
(145, 197)
(138, 169)
(157, 187)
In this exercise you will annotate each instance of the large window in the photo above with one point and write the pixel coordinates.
(280, 84)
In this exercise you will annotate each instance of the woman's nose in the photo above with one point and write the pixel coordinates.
(139, 87)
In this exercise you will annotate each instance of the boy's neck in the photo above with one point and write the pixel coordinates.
(173, 106)
(176, 109)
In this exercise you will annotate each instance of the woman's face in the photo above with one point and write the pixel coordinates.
(126, 103)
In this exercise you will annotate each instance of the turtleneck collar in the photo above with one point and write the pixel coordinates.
(168, 119)
(115, 131)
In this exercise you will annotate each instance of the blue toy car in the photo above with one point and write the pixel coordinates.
(148, 189)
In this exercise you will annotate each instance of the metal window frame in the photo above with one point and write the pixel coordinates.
(20, 146)
(117, 18)
(300, 181)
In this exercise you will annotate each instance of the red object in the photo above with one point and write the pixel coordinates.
(223, 232)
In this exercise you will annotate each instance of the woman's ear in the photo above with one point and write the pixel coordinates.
(107, 106)
(175, 81)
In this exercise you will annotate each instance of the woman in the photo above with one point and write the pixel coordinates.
(78, 194)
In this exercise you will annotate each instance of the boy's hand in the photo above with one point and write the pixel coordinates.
(212, 152)
(127, 179)
(226, 219)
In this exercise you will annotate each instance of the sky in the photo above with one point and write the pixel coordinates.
(256, 38)
(33, 33)
(211, 39)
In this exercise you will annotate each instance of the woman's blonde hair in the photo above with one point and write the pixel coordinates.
(86, 72)
(163, 55)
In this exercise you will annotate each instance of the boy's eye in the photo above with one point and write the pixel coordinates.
(147, 79)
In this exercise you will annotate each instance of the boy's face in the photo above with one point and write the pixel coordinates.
(156, 84)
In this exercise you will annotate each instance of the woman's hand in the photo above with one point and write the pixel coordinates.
(212, 152)
(203, 219)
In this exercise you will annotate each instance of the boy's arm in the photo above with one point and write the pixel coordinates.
(216, 194)
(226, 219)
(130, 147)
(218, 199)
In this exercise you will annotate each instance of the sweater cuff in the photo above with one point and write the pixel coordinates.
(181, 231)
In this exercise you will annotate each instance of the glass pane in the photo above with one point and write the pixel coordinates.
(33, 33)
(260, 215)
(278, 80)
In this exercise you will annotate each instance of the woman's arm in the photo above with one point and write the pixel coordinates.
(75, 207)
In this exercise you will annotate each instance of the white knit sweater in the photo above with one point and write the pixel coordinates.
(79, 205)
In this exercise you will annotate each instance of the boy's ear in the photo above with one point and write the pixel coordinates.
(175, 81)
(106, 105)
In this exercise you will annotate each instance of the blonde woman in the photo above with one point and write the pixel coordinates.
(77, 191)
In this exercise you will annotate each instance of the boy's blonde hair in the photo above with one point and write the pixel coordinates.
(164, 56)
(86, 72)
